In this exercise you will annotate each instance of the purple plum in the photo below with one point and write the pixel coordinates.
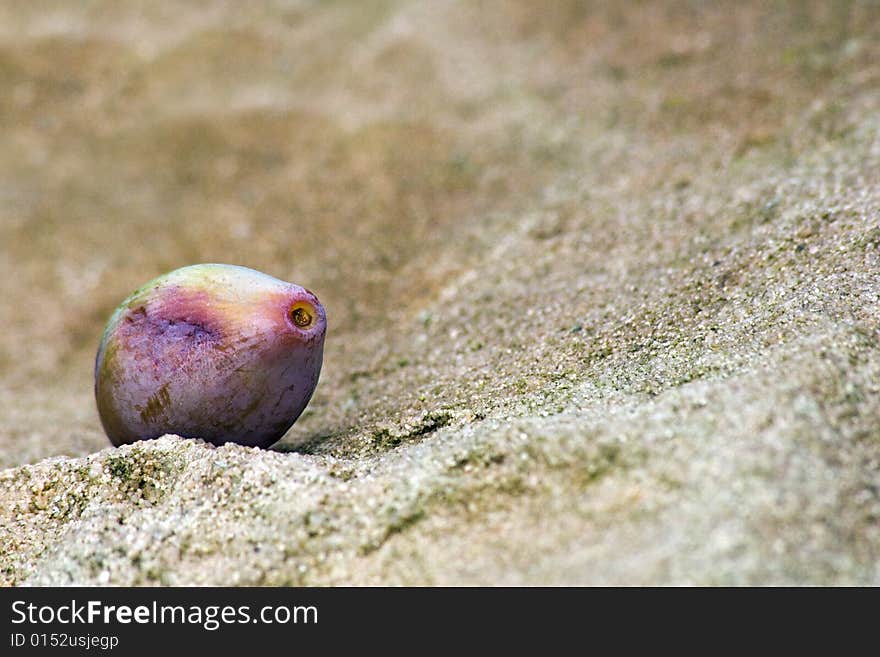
(217, 352)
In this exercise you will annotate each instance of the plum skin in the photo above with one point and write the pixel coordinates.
(209, 351)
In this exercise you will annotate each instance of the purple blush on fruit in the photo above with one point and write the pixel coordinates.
(218, 352)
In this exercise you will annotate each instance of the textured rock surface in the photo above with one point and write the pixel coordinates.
(603, 283)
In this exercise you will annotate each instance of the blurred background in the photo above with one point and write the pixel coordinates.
(374, 152)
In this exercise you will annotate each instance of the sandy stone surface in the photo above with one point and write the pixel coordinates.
(602, 281)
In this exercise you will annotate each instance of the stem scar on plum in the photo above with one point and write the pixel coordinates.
(301, 316)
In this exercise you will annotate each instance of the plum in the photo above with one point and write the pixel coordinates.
(211, 351)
